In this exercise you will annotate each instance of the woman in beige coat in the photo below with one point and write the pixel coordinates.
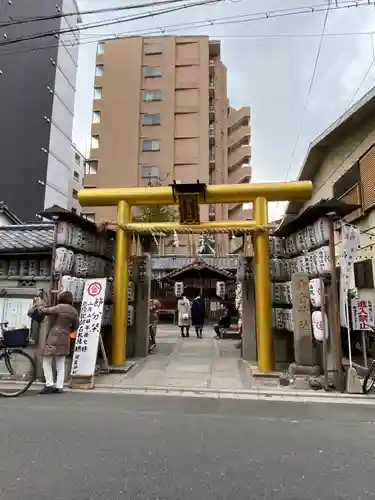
(64, 318)
(184, 316)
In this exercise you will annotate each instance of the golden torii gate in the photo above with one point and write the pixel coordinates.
(189, 197)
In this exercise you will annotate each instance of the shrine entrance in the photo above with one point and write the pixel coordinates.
(188, 197)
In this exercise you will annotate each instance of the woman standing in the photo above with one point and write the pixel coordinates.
(198, 312)
(184, 315)
(57, 345)
(154, 306)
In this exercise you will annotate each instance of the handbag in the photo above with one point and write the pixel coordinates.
(185, 316)
(34, 314)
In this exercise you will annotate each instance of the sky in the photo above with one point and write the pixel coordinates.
(270, 68)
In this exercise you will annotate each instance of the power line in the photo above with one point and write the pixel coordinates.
(107, 23)
(312, 80)
(258, 16)
(25, 20)
(198, 24)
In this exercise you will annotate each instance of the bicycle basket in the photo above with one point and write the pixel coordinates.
(16, 338)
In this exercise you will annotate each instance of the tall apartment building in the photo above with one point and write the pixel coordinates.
(37, 81)
(76, 179)
(161, 114)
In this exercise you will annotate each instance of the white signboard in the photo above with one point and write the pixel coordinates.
(90, 321)
(362, 313)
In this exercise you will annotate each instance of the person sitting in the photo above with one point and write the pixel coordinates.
(224, 321)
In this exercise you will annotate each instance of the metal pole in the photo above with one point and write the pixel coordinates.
(325, 333)
(335, 338)
(266, 358)
(120, 304)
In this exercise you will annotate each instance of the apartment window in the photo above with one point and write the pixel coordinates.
(152, 71)
(363, 274)
(152, 95)
(77, 158)
(151, 119)
(96, 117)
(151, 145)
(99, 70)
(153, 48)
(98, 93)
(75, 194)
(76, 175)
(150, 173)
(94, 142)
(91, 167)
(100, 48)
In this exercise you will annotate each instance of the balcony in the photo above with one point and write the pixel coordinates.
(239, 175)
(214, 48)
(211, 88)
(237, 212)
(211, 110)
(90, 181)
(211, 134)
(239, 135)
(239, 156)
(212, 67)
(212, 159)
(237, 117)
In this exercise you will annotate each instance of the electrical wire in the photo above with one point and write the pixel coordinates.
(312, 80)
(199, 24)
(307, 102)
(25, 20)
(89, 40)
(108, 23)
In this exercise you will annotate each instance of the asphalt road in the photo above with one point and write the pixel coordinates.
(109, 446)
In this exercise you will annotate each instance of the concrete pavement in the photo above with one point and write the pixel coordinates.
(186, 363)
(74, 447)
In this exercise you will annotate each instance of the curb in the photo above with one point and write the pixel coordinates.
(175, 390)
(244, 392)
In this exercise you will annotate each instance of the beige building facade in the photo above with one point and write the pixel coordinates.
(161, 114)
(341, 165)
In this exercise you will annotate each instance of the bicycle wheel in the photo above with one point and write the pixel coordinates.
(17, 372)
(369, 380)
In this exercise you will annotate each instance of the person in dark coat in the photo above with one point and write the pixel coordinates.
(57, 345)
(198, 312)
(224, 321)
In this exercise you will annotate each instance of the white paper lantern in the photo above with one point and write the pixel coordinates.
(178, 288)
(130, 315)
(220, 289)
(311, 239)
(278, 293)
(279, 246)
(321, 228)
(131, 291)
(315, 293)
(317, 325)
(291, 245)
(288, 292)
(301, 240)
(323, 260)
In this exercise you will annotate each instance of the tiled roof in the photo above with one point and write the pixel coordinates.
(26, 238)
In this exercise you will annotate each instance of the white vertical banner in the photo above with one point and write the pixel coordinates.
(90, 321)
(350, 242)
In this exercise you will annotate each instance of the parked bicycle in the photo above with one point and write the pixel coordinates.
(17, 367)
(369, 379)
